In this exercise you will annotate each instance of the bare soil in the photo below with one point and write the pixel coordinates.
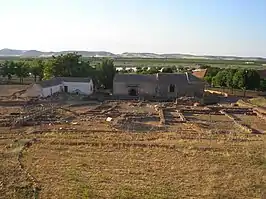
(206, 157)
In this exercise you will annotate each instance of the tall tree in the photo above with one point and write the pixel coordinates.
(8, 69)
(263, 84)
(65, 65)
(220, 79)
(21, 70)
(252, 79)
(229, 78)
(239, 80)
(37, 69)
(106, 73)
(49, 69)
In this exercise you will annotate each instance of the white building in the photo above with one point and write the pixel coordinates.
(49, 87)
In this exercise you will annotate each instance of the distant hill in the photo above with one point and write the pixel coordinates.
(10, 52)
(35, 53)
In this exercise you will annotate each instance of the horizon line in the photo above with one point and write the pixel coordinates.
(143, 52)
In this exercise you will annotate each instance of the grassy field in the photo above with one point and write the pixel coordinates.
(208, 157)
(187, 63)
(151, 62)
(142, 62)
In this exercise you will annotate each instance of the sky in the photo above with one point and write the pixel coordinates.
(200, 27)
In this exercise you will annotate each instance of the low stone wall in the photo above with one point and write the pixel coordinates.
(259, 114)
(161, 115)
(181, 116)
(237, 122)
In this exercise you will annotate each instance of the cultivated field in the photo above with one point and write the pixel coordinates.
(147, 150)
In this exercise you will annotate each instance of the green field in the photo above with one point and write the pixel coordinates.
(153, 62)
(142, 62)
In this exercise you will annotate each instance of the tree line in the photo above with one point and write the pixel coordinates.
(154, 70)
(72, 65)
(68, 65)
(245, 79)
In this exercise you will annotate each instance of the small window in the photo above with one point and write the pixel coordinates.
(172, 88)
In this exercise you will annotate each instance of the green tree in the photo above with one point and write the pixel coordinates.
(229, 78)
(263, 84)
(252, 79)
(145, 70)
(211, 73)
(37, 69)
(239, 80)
(167, 70)
(21, 70)
(83, 69)
(139, 70)
(66, 65)
(8, 69)
(208, 79)
(48, 71)
(180, 68)
(106, 73)
(153, 70)
(174, 69)
(220, 79)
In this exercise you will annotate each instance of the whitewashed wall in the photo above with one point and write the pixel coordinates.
(51, 90)
(85, 88)
(36, 90)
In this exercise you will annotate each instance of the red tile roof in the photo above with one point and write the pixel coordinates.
(200, 73)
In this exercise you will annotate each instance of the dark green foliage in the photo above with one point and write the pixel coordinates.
(37, 68)
(167, 70)
(252, 79)
(153, 70)
(208, 79)
(229, 78)
(204, 66)
(69, 65)
(263, 84)
(219, 79)
(239, 79)
(106, 72)
(234, 78)
(212, 71)
(8, 69)
(180, 69)
(21, 70)
(139, 70)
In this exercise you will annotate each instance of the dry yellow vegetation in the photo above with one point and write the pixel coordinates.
(210, 158)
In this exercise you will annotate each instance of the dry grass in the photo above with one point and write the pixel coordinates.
(207, 159)
(259, 101)
(83, 165)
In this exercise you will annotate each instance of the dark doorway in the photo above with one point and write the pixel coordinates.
(66, 89)
(132, 92)
(172, 88)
